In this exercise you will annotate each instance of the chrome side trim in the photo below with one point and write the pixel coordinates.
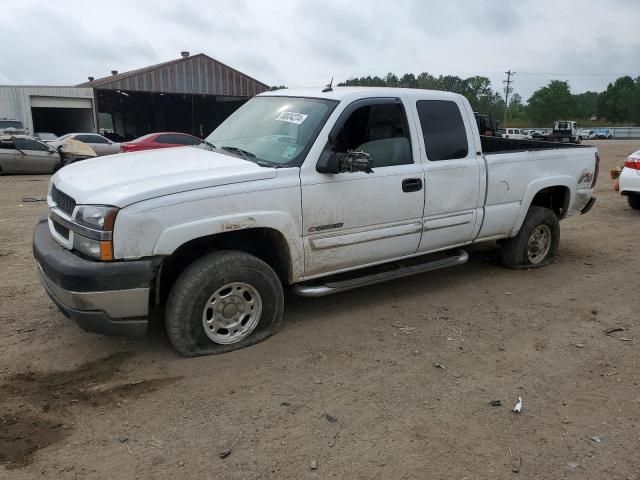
(346, 239)
(58, 217)
(320, 290)
(449, 221)
(115, 304)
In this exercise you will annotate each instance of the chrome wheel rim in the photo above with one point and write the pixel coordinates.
(539, 244)
(232, 313)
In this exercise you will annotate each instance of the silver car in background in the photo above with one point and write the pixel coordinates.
(26, 154)
(23, 154)
(101, 145)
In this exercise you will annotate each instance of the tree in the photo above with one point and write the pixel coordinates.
(586, 105)
(550, 103)
(516, 108)
(276, 87)
(621, 100)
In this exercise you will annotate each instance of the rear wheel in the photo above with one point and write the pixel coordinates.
(536, 243)
(223, 301)
(634, 201)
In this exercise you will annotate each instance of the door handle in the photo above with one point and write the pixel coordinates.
(411, 185)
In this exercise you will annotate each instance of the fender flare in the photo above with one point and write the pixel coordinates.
(175, 236)
(532, 190)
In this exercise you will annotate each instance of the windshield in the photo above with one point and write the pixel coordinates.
(275, 130)
(11, 124)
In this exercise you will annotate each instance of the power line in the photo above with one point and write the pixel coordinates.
(507, 90)
(581, 74)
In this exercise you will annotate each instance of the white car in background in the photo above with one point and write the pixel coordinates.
(587, 134)
(514, 133)
(101, 145)
(630, 180)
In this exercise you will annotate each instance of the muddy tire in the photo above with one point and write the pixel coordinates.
(536, 244)
(223, 301)
(634, 201)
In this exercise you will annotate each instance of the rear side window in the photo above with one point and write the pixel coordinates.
(169, 139)
(27, 144)
(445, 137)
(186, 140)
(97, 139)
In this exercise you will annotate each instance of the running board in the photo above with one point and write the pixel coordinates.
(330, 287)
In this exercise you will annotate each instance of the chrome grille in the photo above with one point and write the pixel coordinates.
(62, 200)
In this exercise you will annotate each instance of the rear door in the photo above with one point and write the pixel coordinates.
(454, 173)
(356, 219)
(35, 157)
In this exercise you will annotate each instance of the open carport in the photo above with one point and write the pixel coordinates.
(192, 94)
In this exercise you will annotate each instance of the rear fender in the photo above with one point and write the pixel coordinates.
(535, 187)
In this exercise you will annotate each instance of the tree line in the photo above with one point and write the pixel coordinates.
(619, 103)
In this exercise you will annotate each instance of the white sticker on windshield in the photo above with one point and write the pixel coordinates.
(292, 117)
(289, 153)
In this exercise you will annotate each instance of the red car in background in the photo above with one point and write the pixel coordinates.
(159, 140)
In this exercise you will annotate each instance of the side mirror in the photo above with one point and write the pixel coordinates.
(340, 162)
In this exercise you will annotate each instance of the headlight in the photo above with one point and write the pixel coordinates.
(100, 250)
(97, 217)
(96, 239)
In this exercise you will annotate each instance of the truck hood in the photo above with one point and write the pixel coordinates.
(123, 179)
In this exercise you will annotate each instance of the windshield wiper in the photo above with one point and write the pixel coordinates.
(243, 153)
(250, 157)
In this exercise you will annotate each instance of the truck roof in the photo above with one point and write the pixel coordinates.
(352, 93)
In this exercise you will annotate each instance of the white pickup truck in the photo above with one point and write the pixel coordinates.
(319, 191)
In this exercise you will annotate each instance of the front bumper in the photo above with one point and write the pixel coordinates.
(110, 298)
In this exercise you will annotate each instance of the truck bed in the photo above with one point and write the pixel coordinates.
(494, 145)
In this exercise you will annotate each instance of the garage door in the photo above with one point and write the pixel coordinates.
(61, 102)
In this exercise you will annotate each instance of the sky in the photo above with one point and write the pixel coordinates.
(306, 43)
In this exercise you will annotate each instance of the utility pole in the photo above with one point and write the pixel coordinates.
(507, 91)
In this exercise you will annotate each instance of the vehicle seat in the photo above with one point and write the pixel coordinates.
(388, 151)
(382, 130)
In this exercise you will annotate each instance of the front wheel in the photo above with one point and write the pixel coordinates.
(223, 301)
(536, 243)
(634, 201)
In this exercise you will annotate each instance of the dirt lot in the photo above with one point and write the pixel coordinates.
(392, 381)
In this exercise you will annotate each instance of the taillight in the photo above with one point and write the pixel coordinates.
(633, 163)
(596, 172)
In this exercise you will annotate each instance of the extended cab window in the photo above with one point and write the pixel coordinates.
(379, 130)
(445, 137)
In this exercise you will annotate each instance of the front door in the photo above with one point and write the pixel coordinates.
(35, 157)
(355, 219)
(454, 174)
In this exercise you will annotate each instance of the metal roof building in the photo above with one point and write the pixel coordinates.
(192, 94)
(197, 74)
(49, 109)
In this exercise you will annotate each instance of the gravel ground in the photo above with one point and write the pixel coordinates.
(390, 381)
